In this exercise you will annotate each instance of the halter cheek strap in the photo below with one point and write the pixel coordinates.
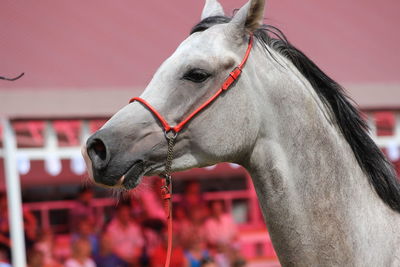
(233, 76)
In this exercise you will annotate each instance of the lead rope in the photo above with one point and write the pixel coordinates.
(166, 191)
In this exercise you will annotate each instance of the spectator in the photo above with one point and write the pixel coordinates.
(208, 262)
(220, 229)
(180, 216)
(151, 228)
(195, 224)
(84, 209)
(80, 254)
(193, 236)
(159, 254)
(181, 223)
(196, 251)
(45, 245)
(62, 247)
(106, 257)
(4, 260)
(85, 230)
(4, 227)
(125, 235)
(192, 196)
(30, 226)
(136, 207)
(36, 258)
(221, 234)
(151, 201)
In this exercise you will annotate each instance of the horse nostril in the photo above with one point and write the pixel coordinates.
(97, 152)
(100, 149)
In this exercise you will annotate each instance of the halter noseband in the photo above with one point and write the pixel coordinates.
(172, 132)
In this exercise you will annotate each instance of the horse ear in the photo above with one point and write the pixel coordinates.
(212, 8)
(250, 16)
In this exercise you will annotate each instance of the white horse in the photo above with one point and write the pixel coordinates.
(328, 195)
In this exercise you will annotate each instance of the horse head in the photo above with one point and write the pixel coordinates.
(132, 143)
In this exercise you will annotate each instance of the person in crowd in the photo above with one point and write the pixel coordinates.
(192, 196)
(220, 229)
(222, 235)
(45, 245)
(125, 235)
(179, 215)
(62, 247)
(86, 230)
(181, 222)
(84, 209)
(36, 258)
(5, 242)
(29, 220)
(196, 250)
(151, 201)
(194, 224)
(159, 253)
(30, 227)
(136, 207)
(106, 257)
(81, 251)
(4, 260)
(192, 236)
(151, 228)
(208, 262)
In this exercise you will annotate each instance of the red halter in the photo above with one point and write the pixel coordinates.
(233, 76)
(167, 188)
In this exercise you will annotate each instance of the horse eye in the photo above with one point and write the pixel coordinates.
(196, 75)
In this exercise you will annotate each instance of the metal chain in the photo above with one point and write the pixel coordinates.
(167, 191)
(170, 156)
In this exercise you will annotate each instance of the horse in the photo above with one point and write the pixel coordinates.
(328, 195)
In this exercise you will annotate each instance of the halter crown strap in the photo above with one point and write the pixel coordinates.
(233, 76)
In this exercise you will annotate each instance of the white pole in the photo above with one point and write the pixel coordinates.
(13, 196)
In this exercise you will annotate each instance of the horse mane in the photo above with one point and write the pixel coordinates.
(372, 161)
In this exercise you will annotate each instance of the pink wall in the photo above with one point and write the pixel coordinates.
(104, 44)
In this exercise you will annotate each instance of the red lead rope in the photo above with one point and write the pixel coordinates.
(167, 188)
(166, 191)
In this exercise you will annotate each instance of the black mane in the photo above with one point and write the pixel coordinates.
(378, 169)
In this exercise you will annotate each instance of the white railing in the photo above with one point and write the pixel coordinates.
(384, 141)
(43, 209)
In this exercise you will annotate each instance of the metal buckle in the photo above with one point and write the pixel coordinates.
(168, 179)
(168, 135)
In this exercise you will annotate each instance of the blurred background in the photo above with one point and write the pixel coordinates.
(83, 60)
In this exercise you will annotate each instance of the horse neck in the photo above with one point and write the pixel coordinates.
(312, 192)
